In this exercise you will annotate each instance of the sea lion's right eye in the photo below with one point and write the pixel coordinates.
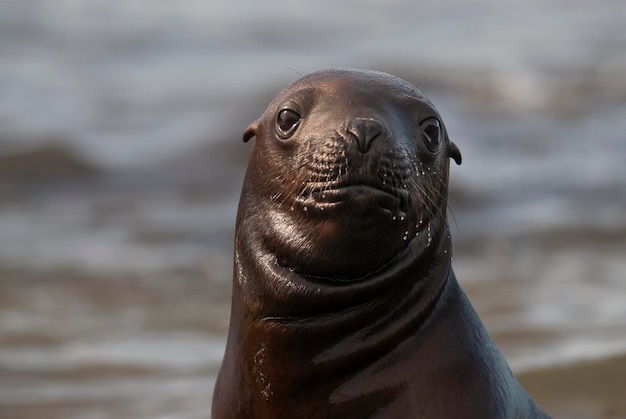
(287, 122)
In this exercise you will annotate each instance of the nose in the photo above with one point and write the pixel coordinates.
(365, 131)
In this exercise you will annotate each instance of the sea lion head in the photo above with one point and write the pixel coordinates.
(349, 167)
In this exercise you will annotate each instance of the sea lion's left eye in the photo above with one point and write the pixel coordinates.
(287, 122)
(431, 133)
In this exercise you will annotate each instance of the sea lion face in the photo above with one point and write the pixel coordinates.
(348, 168)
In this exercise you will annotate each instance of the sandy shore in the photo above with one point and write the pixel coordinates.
(591, 389)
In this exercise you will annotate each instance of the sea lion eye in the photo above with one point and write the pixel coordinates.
(287, 122)
(431, 133)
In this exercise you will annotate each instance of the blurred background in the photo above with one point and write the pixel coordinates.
(121, 163)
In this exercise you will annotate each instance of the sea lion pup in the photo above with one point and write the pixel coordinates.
(344, 301)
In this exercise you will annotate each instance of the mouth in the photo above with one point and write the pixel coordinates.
(356, 197)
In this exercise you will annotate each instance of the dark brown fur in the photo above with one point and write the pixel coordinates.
(345, 304)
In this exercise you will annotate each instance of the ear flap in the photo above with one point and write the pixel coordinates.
(454, 153)
(250, 131)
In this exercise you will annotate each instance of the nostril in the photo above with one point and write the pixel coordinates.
(366, 131)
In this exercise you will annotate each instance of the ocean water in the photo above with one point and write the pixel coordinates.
(121, 163)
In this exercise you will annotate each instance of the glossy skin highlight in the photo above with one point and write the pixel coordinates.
(344, 299)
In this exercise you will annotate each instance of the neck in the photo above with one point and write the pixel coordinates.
(327, 331)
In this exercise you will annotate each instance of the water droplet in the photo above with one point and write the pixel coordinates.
(402, 219)
(445, 252)
(405, 238)
(305, 209)
(292, 208)
(394, 218)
